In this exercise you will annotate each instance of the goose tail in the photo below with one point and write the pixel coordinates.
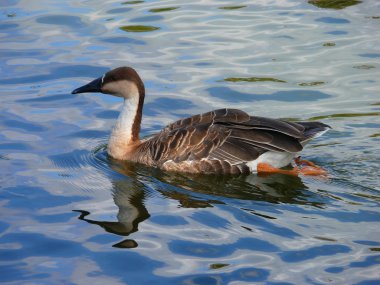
(313, 130)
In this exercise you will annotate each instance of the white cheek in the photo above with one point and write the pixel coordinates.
(123, 88)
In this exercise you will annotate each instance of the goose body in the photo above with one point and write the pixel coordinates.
(223, 141)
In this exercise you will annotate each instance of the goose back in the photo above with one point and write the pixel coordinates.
(221, 141)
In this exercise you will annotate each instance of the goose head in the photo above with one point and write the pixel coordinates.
(121, 82)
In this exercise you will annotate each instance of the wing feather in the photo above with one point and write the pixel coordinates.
(227, 135)
(262, 123)
(270, 140)
(220, 115)
(236, 151)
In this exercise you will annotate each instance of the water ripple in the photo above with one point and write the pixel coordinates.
(72, 214)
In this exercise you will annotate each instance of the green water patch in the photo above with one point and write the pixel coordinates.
(334, 4)
(375, 104)
(324, 144)
(218, 265)
(232, 7)
(138, 28)
(368, 196)
(253, 79)
(230, 95)
(329, 44)
(346, 115)
(131, 2)
(364, 66)
(313, 83)
(325, 238)
(166, 9)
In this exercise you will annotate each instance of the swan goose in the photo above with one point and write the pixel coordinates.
(224, 141)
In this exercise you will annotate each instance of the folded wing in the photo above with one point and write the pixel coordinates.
(227, 135)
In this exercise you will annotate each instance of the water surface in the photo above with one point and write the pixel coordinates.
(71, 215)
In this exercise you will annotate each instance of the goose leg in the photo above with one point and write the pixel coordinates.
(302, 162)
(308, 167)
(311, 170)
(265, 168)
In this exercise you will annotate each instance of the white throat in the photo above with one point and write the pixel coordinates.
(121, 136)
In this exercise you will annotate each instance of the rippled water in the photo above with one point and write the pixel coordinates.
(71, 215)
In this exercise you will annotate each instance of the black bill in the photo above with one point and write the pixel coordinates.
(93, 86)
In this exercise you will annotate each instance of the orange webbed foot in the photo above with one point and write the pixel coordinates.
(312, 171)
(301, 162)
(303, 167)
(309, 168)
(264, 168)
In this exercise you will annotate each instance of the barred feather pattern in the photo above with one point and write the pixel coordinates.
(222, 141)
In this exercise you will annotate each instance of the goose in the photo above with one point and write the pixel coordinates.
(223, 141)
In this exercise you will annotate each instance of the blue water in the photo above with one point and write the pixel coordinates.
(71, 215)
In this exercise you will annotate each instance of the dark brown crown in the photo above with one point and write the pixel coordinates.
(125, 73)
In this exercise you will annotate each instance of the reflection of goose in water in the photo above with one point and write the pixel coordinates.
(225, 141)
(185, 187)
(193, 191)
(129, 198)
(278, 188)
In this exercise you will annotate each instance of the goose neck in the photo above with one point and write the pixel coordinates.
(125, 133)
